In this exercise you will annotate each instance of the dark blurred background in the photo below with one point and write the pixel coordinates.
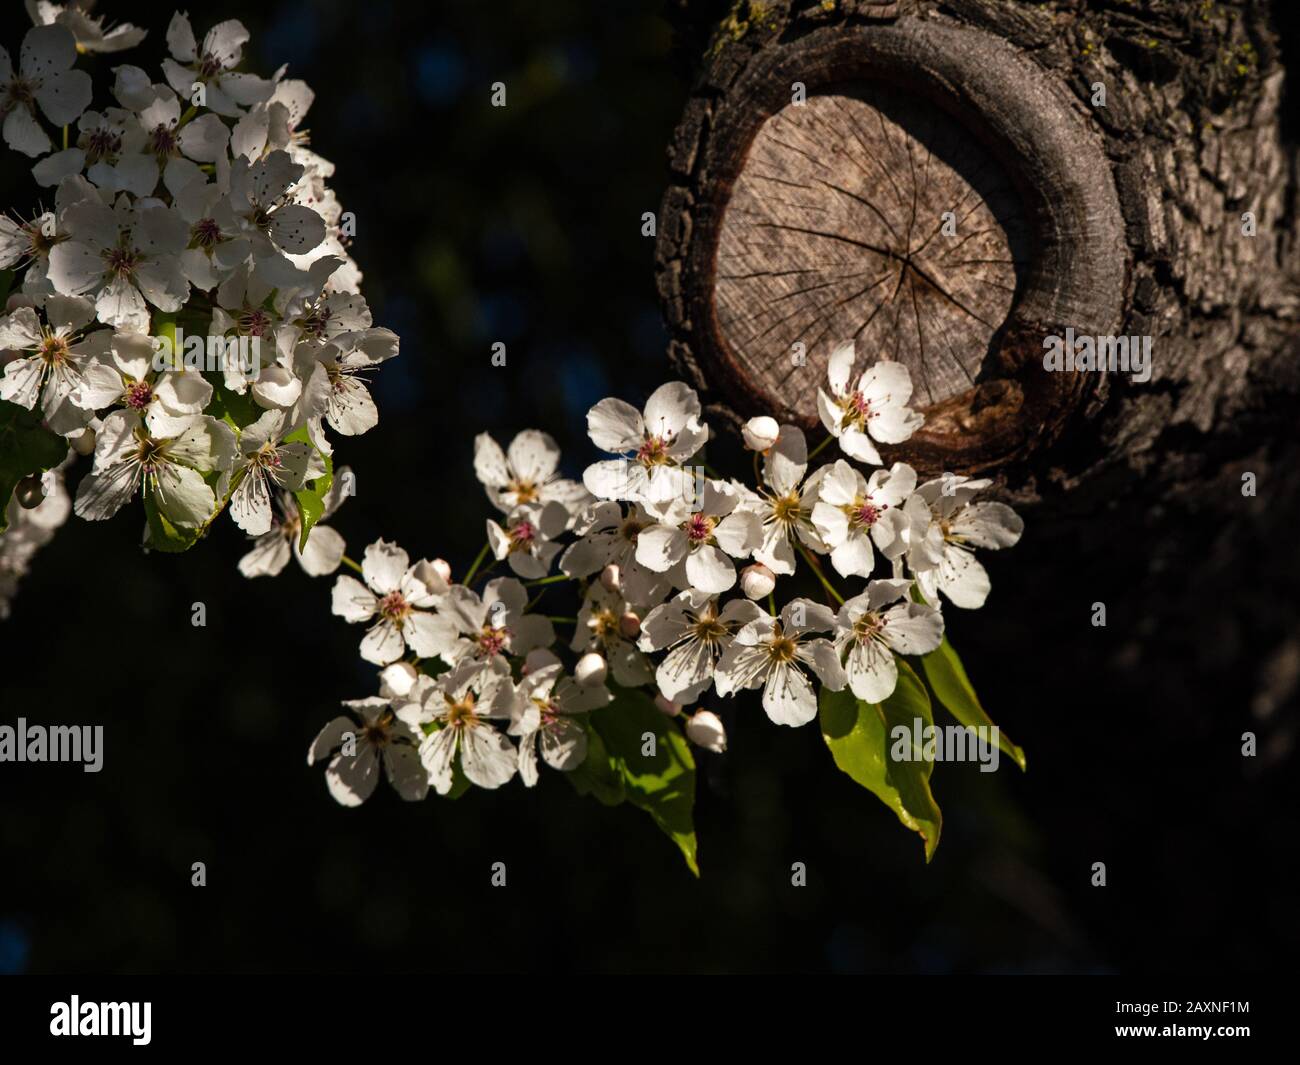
(523, 225)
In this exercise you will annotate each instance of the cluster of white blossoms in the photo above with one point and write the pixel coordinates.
(675, 571)
(186, 311)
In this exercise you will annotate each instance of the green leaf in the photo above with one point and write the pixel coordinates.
(860, 738)
(599, 775)
(947, 679)
(26, 448)
(311, 497)
(662, 783)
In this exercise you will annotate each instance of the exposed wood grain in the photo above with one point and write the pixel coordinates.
(836, 231)
(962, 118)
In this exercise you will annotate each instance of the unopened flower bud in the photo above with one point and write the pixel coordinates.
(84, 442)
(630, 626)
(609, 578)
(590, 670)
(704, 729)
(757, 581)
(441, 567)
(399, 678)
(667, 706)
(30, 492)
(760, 433)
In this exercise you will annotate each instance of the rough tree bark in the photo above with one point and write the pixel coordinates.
(811, 222)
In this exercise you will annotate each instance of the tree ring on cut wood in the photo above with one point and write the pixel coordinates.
(937, 198)
(862, 215)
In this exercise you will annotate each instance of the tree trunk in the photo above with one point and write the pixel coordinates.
(951, 183)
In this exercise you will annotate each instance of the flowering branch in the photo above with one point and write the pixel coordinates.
(475, 689)
(187, 314)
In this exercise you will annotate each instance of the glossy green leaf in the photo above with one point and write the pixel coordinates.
(947, 678)
(599, 775)
(861, 738)
(311, 497)
(662, 783)
(26, 448)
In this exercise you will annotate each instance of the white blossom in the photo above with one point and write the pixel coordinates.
(127, 149)
(695, 632)
(484, 629)
(548, 701)
(944, 533)
(325, 548)
(785, 502)
(129, 458)
(463, 703)
(853, 511)
(773, 653)
(44, 79)
(870, 632)
(394, 600)
(704, 535)
(168, 400)
(356, 747)
(872, 408)
(89, 30)
(29, 530)
(124, 257)
(334, 383)
(26, 241)
(757, 581)
(654, 445)
(525, 473)
(265, 462)
(261, 198)
(54, 355)
(591, 669)
(212, 64)
(527, 539)
(216, 249)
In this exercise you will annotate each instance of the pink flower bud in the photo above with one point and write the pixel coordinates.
(629, 625)
(609, 578)
(760, 433)
(704, 729)
(399, 678)
(590, 670)
(757, 581)
(442, 569)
